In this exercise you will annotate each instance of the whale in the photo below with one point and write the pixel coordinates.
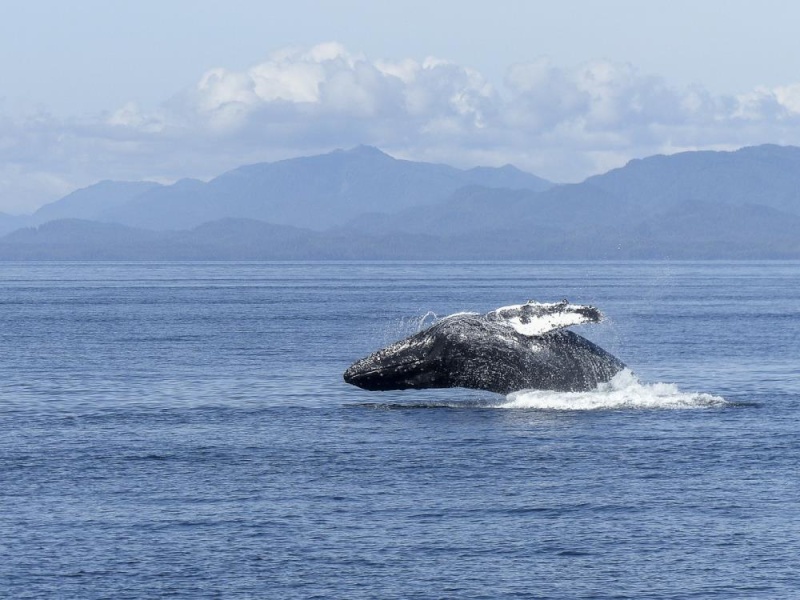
(512, 348)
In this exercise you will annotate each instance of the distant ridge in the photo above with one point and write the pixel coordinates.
(694, 205)
(766, 175)
(92, 201)
(742, 204)
(316, 192)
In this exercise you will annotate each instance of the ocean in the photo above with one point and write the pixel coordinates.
(183, 430)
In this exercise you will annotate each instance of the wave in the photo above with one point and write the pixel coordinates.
(624, 391)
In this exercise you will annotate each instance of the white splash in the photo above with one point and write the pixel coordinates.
(537, 318)
(624, 391)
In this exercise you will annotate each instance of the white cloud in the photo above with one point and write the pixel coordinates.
(788, 96)
(562, 123)
(327, 82)
(769, 104)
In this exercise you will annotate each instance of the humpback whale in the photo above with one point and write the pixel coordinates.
(523, 346)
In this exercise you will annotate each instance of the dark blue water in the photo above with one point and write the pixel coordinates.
(174, 430)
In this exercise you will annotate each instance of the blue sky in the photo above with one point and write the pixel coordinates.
(161, 90)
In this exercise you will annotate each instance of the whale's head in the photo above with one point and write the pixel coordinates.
(461, 350)
(410, 363)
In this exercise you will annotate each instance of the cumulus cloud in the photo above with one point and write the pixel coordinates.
(564, 123)
(327, 83)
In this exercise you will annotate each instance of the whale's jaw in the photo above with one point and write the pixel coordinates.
(408, 364)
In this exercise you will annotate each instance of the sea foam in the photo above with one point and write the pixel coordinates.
(624, 391)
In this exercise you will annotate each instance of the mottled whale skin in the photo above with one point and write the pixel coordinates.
(509, 349)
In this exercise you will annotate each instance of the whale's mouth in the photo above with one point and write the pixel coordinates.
(368, 374)
(402, 365)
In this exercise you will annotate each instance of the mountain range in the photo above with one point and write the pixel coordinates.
(364, 204)
(314, 192)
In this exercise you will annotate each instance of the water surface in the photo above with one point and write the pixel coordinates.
(183, 430)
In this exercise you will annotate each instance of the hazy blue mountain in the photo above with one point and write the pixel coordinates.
(707, 205)
(226, 239)
(476, 209)
(507, 176)
(699, 204)
(768, 175)
(158, 208)
(86, 203)
(699, 230)
(316, 192)
(690, 231)
(93, 201)
(75, 239)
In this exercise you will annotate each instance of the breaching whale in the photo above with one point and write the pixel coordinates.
(524, 346)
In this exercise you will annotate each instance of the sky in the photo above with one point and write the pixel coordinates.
(93, 90)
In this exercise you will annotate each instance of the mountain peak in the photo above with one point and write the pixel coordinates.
(188, 183)
(364, 150)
